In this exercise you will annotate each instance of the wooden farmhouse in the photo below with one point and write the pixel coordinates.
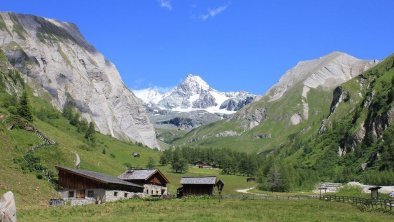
(153, 181)
(197, 186)
(85, 187)
(201, 164)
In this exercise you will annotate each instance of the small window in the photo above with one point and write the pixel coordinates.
(157, 192)
(90, 193)
(115, 194)
(125, 195)
(152, 192)
(147, 191)
(70, 194)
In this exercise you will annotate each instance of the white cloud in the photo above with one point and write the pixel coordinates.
(165, 4)
(213, 12)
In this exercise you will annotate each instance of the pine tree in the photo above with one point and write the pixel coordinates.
(68, 111)
(24, 109)
(90, 133)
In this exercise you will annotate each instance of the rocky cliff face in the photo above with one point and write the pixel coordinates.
(324, 73)
(55, 56)
(328, 72)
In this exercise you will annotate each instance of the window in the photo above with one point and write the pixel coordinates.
(70, 194)
(115, 194)
(157, 192)
(125, 195)
(152, 192)
(147, 191)
(90, 193)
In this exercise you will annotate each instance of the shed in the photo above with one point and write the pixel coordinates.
(374, 192)
(135, 154)
(197, 186)
(251, 179)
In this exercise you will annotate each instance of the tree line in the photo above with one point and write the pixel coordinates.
(83, 127)
(230, 161)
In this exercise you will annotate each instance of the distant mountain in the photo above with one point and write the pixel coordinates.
(322, 74)
(297, 103)
(54, 56)
(192, 103)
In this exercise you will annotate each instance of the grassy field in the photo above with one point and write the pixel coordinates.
(232, 182)
(207, 210)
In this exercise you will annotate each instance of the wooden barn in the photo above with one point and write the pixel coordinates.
(153, 180)
(201, 164)
(84, 187)
(197, 186)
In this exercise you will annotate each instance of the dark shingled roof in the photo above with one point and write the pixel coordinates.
(98, 177)
(211, 180)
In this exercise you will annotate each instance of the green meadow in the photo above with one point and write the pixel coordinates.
(207, 210)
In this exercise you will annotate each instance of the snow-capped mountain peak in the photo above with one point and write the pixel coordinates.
(194, 83)
(194, 94)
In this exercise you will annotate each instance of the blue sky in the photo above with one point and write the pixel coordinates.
(232, 44)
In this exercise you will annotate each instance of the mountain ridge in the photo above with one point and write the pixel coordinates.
(193, 94)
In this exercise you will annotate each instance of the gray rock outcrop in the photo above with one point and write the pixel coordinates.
(53, 55)
(7, 208)
(328, 72)
(324, 73)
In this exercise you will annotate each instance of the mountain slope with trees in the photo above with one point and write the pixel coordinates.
(355, 140)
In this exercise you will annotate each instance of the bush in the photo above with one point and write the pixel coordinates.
(382, 178)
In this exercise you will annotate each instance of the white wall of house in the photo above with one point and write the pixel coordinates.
(154, 190)
(98, 196)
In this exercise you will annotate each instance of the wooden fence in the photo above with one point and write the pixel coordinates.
(270, 197)
(369, 203)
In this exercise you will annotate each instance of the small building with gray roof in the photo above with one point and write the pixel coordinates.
(197, 186)
(153, 180)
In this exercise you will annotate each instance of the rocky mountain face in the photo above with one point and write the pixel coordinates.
(192, 103)
(354, 140)
(53, 55)
(324, 73)
(297, 103)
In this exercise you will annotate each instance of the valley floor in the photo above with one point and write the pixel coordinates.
(207, 210)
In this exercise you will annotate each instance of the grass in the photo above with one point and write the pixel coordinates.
(207, 210)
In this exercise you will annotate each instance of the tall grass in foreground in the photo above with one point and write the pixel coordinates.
(206, 210)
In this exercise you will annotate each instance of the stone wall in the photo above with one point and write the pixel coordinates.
(98, 196)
